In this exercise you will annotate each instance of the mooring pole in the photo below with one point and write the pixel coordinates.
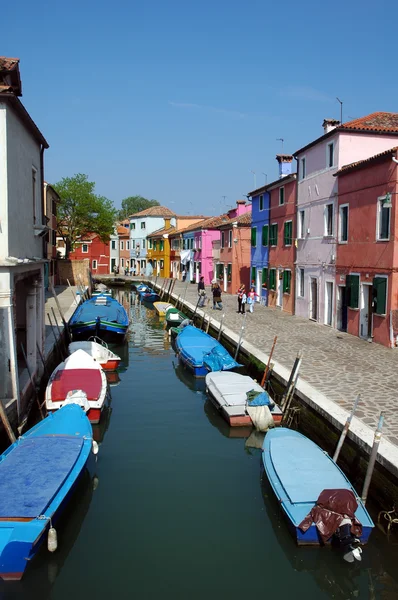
(220, 330)
(372, 459)
(293, 376)
(73, 292)
(59, 332)
(178, 301)
(208, 324)
(268, 363)
(240, 337)
(6, 423)
(185, 293)
(346, 428)
(196, 308)
(32, 381)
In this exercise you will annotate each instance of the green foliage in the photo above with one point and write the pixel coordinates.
(135, 204)
(81, 211)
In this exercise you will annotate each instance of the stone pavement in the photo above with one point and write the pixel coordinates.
(336, 364)
(67, 303)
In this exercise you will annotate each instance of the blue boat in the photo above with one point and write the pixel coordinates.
(37, 475)
(298, 471)
(201, 353)
(148, 295)
(101, 316)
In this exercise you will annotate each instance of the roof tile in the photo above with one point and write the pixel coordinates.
(154, 211)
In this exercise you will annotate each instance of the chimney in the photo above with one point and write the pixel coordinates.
(329, 124)
(285, 164)
(167, 223)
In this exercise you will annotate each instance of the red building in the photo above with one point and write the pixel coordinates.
(281, 236)
(367, 249)
(123, 233)
(235, 252)
(95, 250)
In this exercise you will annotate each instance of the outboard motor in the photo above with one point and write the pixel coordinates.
(347, 543)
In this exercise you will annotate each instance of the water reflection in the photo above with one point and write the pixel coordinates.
(193, 383)
(216, 420)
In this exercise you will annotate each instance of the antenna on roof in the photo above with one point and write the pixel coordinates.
(341, 110)
(280, 140)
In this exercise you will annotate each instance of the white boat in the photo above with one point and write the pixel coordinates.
(78, 380)
(228, 392)
(108, 360)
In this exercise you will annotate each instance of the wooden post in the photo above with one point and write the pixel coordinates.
(241, 335)
(345, 429)
(57, 303)
(290, 383)
(60, 333)
(73, 292)
(203, 320)
(57, 347)
(42, 360)
(372, 459)
(208, 324)
(220, 330)
(196, 308)
(6, 423)
(185, 293)
(178, 300)
(268, 363)
(32, 381)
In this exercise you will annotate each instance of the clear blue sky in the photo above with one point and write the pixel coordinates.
(179, 100)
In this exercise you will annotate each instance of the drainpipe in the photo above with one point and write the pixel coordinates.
(12, 350)
(44, 242)
(295, 238)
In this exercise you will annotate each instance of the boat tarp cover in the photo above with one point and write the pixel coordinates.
(261, 417)
(259, 399)
(66, 380)
(331, 508)
(218, 359)
(32, 473)
(110, 311)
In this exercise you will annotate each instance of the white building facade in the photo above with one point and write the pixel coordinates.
(142, 224)
(22, 242)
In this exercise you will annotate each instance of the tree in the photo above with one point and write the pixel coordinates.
(135, 204)
(81, 211)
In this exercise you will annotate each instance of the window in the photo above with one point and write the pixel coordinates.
(191, 243)
(113, 244)
(143, 243)
(265, 235)
(383, 217)
(34, 192)
(85, 248)
(162, 264)
(329, 219)
(132, 225)
(273, 234)
(301, 224)
(54, 238)
(155, 245)
(288, 233)
(261, 202)
(161, 245)
(253, 276)
(287, 276)
(143, 226)
(281, 196)
(352, 285)
(343, 223)
(220, 271)
(264, 278)
(200, 242)
(94, 264)
(222, 239)
(254, 237)
(272, 279)
(301, 282)
(303, 168)
(122, 262)
(150, 244)
(380, 295)
(330, 154)
(229, 272)
(230, 238)
(127, 245)
(121, 245)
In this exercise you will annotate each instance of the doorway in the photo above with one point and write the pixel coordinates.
(259, 279)
(365, 313)
(329, 303)
(225, 278)
(279, 297)
(342, 313)
(314, 298)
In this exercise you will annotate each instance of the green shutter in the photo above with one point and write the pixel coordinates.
(352, 284)
(274, 235)
(286, 281)
(253, 275)
(380, 295)
(288, 233)
(272, 279)
(264, 278)
(161, 245)
(265, 235)
(254, 236)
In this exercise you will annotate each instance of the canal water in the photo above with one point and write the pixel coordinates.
(181, 508)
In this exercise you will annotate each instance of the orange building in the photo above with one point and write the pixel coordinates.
(235, 253)
(123, 234)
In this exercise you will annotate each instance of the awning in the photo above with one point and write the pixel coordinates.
(186, 256)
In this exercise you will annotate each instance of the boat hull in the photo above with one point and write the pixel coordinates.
(106, 331)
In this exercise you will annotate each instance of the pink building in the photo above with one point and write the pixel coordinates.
(317, 193)
(367, 250)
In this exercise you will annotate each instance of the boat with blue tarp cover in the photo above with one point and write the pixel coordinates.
(37, 475)
(101, 316)
(147, 294)
(201, 353)
(300, 472)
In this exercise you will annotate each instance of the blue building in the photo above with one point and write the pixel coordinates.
(260, 199)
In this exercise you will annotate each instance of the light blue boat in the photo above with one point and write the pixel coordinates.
(201, 353)
(147, 294)
(101, 316)
(37, 475)
(298, 471)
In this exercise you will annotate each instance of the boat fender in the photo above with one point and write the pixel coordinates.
(95, 447)
(52, 541)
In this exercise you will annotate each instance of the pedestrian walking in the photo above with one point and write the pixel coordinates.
(184, 274)
(241, 292)
(251, 298)
(216, 291)
(201, 292)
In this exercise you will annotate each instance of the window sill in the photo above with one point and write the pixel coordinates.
(343, 242)
(383, 240)
(328, 235)
(350, 308)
